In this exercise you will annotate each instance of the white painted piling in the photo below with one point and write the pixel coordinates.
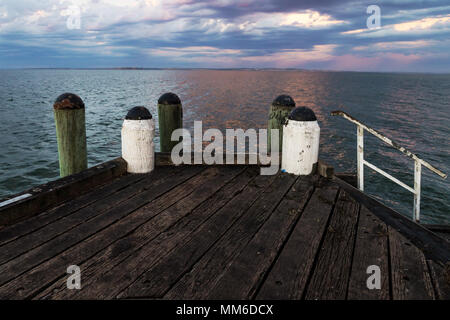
(301, 138)
(138, 149)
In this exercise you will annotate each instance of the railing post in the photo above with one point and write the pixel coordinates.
(360, 157)
(417, 177)
(361, 162)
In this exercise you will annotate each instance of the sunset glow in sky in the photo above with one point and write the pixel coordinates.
(329, 35)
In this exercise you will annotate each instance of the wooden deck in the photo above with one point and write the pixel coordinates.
(220, 232)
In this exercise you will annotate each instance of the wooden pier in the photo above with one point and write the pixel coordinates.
(213, 232)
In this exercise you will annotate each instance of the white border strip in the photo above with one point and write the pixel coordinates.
(23, 196)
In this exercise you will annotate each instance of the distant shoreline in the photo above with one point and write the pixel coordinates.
(229, 69)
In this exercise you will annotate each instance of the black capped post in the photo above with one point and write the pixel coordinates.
(302, 114)
(138, 113)
(138, 131)
(170, 117)
(278, 113)
(301, 139)
(70, 120)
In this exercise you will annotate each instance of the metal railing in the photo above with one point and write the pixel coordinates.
(361, 162)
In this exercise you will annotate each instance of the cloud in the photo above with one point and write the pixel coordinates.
(194, 51)
(226, 33)
(388, 62)
(322, 56)
(309, 19)
(100, 14)
(284, 58)
(428, 25)
(424, 24)
(394, 45)
(187, 15)
(290, 58)
(261, 23)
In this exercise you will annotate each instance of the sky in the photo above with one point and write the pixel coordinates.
(412, 35)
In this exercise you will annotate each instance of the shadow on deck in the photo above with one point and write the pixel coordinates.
(221, 232)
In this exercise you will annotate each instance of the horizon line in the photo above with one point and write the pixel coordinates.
(219, 69)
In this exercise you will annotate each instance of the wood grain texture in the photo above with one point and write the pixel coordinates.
(53, 193)
(440, 276)
(31, 224)
(159, 235)
(170, 118)
(70, 221)
(371, 248)
(289, 275)
(50, 249)
(158, 279)
(409, 271)
(202, 232)
(329, 280)
(71, 137)
(324, 169)
(245, 274)
(428, 242)
(213, 264)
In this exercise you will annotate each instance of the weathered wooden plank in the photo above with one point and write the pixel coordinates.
(440, 276)
(329, 280)
(245, 274)
(409, 272)
(443, 235)
(168, 237)
(442, 231)
(205, 274)
(438, 227)
(55, 192)
(288, 277)
(348, 177)
(31, 224)
(165, 159)
(431, 244)
(158, 278)
(27, 261)
(324, 169)
(39, 277)
(145, 223)
(160, 242)
(60, 226)
(371, 248)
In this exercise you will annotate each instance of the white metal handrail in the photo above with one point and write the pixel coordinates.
(361, 162)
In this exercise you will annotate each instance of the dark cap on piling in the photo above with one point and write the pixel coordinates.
(302, 114)
(68, 101)
(169, 98)
(138, 113)
(284, 101)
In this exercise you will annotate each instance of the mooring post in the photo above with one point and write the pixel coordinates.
(279, 111)
(301, 138)
(70, 133)
(138, 131)
(170, 117)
